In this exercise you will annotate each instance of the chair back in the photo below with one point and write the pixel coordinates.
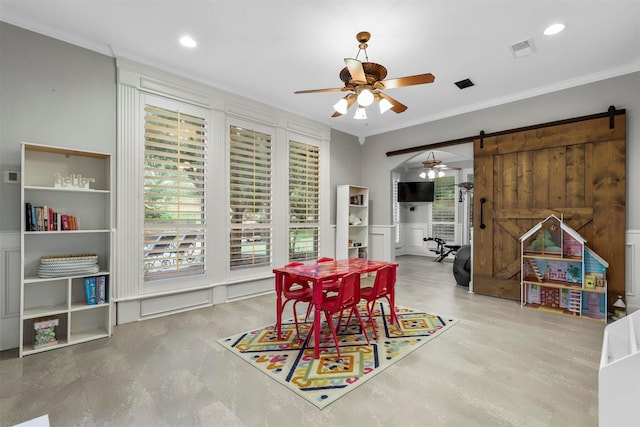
(292, 283)
(348, 293)
(383, 283)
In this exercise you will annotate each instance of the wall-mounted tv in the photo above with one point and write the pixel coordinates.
(421, 191)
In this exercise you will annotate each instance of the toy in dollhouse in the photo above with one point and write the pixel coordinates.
(557, 271)
(572, 248)
(544, 242)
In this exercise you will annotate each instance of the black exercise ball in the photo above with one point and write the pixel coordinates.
(462, 266)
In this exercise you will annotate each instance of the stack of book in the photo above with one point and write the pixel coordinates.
(44, 218)
(96, 289)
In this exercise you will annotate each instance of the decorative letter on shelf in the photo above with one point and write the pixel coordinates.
(72, 182)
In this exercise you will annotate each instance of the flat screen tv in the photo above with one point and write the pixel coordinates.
(421, 191)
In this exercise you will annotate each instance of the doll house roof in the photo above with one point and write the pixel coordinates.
(596, 257)
(564, 227)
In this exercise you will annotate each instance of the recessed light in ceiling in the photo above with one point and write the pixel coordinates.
(187, 41)
(463, 84)
(553, 29)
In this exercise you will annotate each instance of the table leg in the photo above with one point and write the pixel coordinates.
(317, 303)
(279, 282)
(392, 297)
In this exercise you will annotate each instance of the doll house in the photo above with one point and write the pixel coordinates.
(559, 273)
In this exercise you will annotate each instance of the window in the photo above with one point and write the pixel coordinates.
(395, 179)
(249, 198)
(304, 187)
(443, 211)
(175, 175)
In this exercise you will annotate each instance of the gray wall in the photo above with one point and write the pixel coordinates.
(346, 165)
(623, 92)
(51, 93)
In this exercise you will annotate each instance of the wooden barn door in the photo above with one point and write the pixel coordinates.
(572, 169)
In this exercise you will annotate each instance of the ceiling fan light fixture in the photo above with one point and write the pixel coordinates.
(441, 174)
(341, 106)
(365, 97)
(384, 105)
(423, 175)
(361, 114)
(431, 174)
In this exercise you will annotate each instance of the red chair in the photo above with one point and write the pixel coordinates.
(382, 288)
(332, 285)
(296, 291)
(347, 299)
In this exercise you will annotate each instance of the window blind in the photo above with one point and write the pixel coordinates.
(304, 190)
(443, 213)
(250, 198)
(174, 194)
(395, 179)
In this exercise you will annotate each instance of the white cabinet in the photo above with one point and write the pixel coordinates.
(352, 221)
(59, 261)
(619, 374)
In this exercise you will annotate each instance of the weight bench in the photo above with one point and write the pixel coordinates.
(443, 249)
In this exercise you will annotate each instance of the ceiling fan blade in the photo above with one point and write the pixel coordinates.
(356, 70)
(418, 79)
(351, 98)
(332, 89)
(398, 107)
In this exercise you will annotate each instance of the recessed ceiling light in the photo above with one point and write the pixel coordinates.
(553, 29)
(187, 41)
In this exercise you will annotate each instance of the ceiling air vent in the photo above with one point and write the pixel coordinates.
(522, 48)
(463, 84)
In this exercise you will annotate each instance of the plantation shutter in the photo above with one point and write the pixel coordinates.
(250, 198)
(304, 190)
(395, 179)
(174, 194)
(443, 213)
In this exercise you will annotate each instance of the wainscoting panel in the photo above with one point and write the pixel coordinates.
(411, 239)
(9, 290)
(381, 242)
(632, 282)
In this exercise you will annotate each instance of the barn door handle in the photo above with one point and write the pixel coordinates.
(482, 224)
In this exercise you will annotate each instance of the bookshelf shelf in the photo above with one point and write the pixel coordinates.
(66, 190)
(352, 238)
(69, 183)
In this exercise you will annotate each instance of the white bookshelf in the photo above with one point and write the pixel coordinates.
(64, 297)
(352, 237)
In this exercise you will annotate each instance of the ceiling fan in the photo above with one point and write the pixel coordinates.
(432, 167)
(365, 82)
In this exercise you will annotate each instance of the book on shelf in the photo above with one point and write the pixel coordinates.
(28, 226)
(101, 289)
(91, 290)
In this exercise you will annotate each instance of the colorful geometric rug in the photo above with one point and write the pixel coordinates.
(290, 361)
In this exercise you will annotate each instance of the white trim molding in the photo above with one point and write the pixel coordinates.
(632, 274)
(9, 290)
